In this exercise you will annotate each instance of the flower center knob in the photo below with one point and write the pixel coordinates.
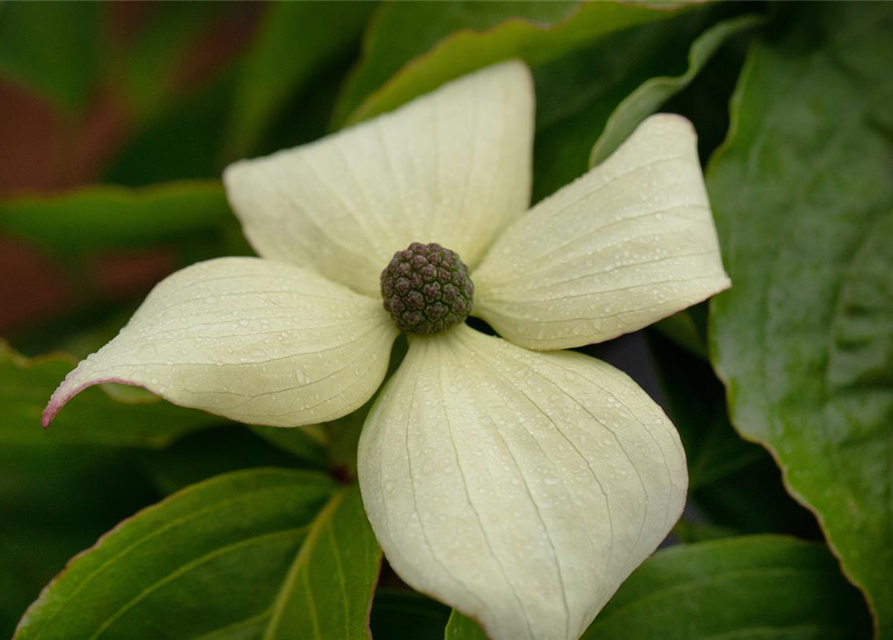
(426, 289)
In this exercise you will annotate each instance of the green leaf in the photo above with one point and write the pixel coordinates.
(650, 95)
(682, 329)
(462, 627)
(690, 531)
(180, 142)
(804, 339)
(733, 484)
(330, 584)
(55, 500)
(244, 555)
(94, 418)
(305, 443)
(412, 48)
(53, 48)
(580, 94)
(753, 500)
(211, 452)
(153, 57)
(748, 588)
(294, 40)
(696, 403)
(105, 217)
(399, 614)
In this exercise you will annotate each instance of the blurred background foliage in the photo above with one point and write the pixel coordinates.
(116, 120)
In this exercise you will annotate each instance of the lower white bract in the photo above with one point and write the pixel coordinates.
(518, 486)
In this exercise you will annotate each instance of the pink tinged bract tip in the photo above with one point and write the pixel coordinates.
(64, 393)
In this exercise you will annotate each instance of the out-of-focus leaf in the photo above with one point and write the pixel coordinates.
(52, 47)
(412, 48)
(106, 217)
(651, 94)
(155, 54)
(55, 500)
(179, 143)
(211, 452)
(682, 330)
(689, 531)
(294, 40)
(753, 500)
(804, 339)
(399, 614)
(462, 627)
(748, 588)
(94, 418)
(223, 559)
(733, 484)
(577, 94)
(697, 407)
(305, 443)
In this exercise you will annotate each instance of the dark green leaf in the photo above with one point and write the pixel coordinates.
(157, 52)
(294, 40)
(106, 217)
(305, 443)
(617, 82)
(55, 500)
(689, 531)
(412, 48)
(181, 142)
(462, 627)
(804, 339)
(749, 588)
(211, 452)
(683, 331)
(733, 484)
(52, 47)
(696, 403)
(651, 94)
(94, 418)
(399, 614)
(223, 559)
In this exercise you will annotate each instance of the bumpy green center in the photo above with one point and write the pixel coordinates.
(426, 289)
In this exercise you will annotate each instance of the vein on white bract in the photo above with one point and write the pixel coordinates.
(515, 482)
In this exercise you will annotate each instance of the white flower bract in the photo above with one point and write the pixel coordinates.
(518, 484)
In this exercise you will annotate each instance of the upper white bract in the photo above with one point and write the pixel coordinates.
(519, 487)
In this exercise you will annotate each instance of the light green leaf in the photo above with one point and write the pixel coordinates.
(103, 217)
(244, 555)
(748, 588)
(294, 40)
(804, 339)
(329, 586)
(412, 48)
(462, 627)
(53, 48)
(650, 95)
(27, 384)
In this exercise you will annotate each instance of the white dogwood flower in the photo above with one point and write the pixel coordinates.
(516, 482)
